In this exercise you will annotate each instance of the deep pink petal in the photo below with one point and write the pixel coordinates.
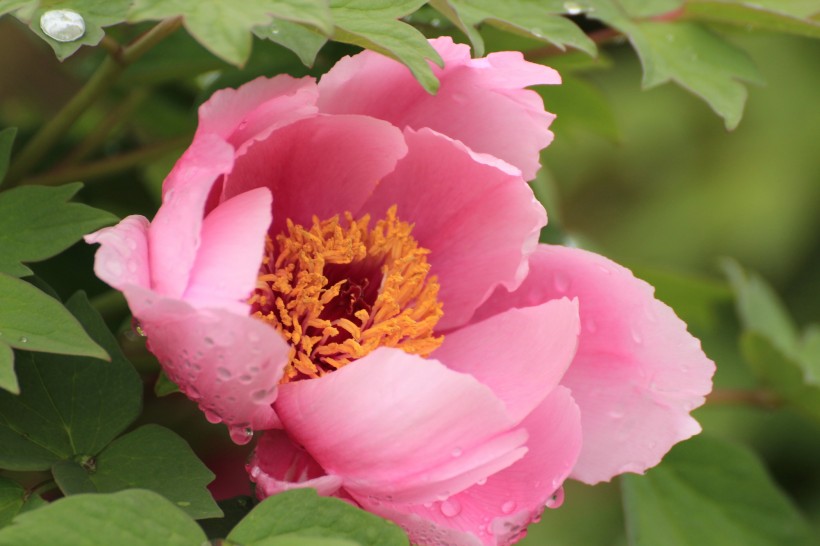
(397, 426)
(521, 354)
(229, 364)
(638, 372)
(319, 166)
(277, 465)
(507, 120)
(122, 258)
(474, 213)
(233, 241)
(498, 511)
(174, 235)
(257, 108)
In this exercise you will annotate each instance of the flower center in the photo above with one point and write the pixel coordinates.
(338, 290)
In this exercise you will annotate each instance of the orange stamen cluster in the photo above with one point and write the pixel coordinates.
(338, 290)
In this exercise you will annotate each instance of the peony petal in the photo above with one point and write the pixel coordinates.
(508, 121)
(229, 364)
(257, 108)
(122, 258)
(474, 213)
(277, 465)
(638, 372)
(498, 511)
(319, 166)
(397, 426)
(521, 354)
(233, 241)
(174, 236)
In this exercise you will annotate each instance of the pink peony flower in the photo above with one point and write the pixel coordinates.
(352, 266)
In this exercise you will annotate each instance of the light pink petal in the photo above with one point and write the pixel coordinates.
(397, 426)
(638, 372)
(521, 354)
(474, 213)
(174, 235)
(229, 364)
(122, 258)
(233, 241)
(481, 102)
(320, 166)
(498, 511)
(277, 465)
(257, 108)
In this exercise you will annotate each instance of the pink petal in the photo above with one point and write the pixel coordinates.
(521, 354)
(257, 108)
(507, 120)
(318, 166)
(474, 213)
(397, 426)
(638, 372)
(233, 241)
(277, 465)
(498, 511)
(174, 236)
(229, 364)
(122, 258)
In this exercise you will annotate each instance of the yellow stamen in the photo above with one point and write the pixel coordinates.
(339, 290)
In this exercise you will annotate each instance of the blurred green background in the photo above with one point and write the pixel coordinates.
(655, 183)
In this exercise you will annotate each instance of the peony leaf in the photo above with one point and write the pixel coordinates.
(127, 518)
(302, 40)
(710, 493)
(48, 421)
(754, 16)
(151, 457)
(14, 499)
(300, 515)
(373, 24)
(224, 28)
(529, 17)
(6, 142)
(579, 105)
(164, 386)
(38, 222)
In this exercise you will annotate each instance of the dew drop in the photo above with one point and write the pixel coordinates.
(557, 499)
(573, 8)
(508, 507)
(604, 269)
(212, 417)
(435, 23)
(245, 378)
(241, 435)
(561, 282)
(137, 327)
(23, 339)
(482, 481)
(457, 452)
(132, 266)
(208, 341)
(591, 326)
(114, 267)
(131, 243)
(636, 336)
(223, 373)
(258, 396)
(63, 25)
(450, 508)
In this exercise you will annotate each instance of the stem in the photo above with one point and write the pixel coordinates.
(756, 398)
(102, 80)
(109, 165)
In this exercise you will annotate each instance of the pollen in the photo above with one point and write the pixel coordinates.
(339, 289)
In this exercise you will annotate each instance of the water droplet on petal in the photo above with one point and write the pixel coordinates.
(450, 508)
(223, 373)
(457, 452)
(561, 282)
(212, 417)
(241, 435)
(245, 378)
(591, 326)
(208, 341)
(63, 25)
(636, 335)
(482, 481)
(258, 396)
(557, 499)
(137, 327)
(508, 507)
(573, 8)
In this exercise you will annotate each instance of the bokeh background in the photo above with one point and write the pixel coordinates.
(650, 179)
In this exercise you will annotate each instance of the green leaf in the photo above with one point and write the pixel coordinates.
(760, 309)
(128, 518)
(95, 13)
(579, 105)
(302, 513)
(649, 8)
(38, 222)
(151, 457)
(300, 39)
(224, 28)
(373, 24)
(6, 142)
(530, 17)
(12, 499)
(31, 320)
(235, 509)
(69, 406)
(710, 493)
(753, 16)
(164, 386)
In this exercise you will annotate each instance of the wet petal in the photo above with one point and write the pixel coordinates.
(122, 258)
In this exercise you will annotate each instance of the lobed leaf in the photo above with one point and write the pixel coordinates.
(710, 493)
(300, 39)
(6, 142)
